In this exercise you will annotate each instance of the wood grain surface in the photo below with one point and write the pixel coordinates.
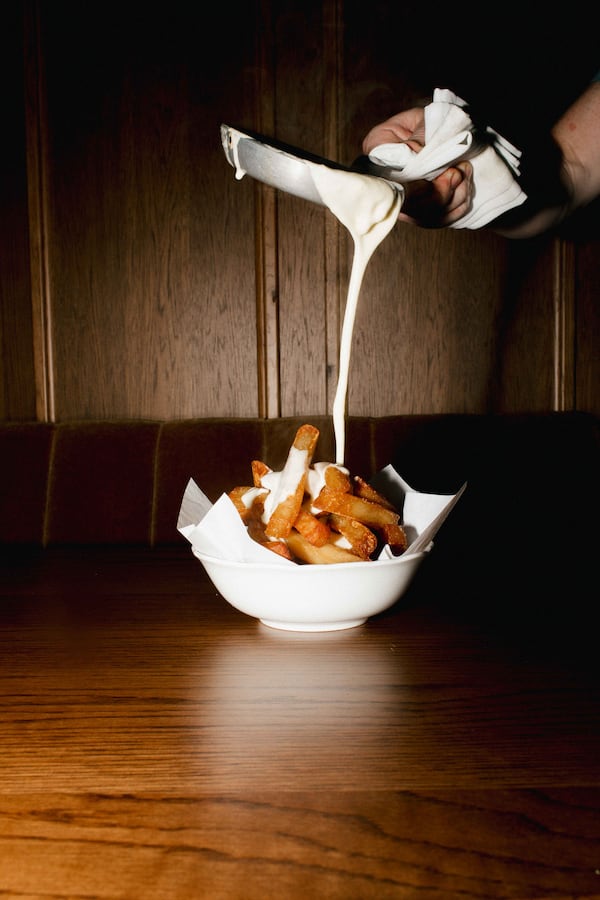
(157, 743)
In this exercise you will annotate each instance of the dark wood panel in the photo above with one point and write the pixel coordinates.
(587, 369)
(425, 337)
(527, 327)
(151, 240)
(17, 370)
(300, 82)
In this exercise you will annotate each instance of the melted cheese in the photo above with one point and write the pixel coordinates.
(368, 207)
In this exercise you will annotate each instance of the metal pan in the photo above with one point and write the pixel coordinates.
(282, 166)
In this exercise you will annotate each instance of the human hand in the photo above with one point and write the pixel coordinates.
(406, 127)
(431, 204)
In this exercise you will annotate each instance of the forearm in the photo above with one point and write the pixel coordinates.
(534, 224)
(577, 138)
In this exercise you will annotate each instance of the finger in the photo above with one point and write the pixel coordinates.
(441, 201)
(450, 184)
(400, 128)
(459, 193)
(424, 203)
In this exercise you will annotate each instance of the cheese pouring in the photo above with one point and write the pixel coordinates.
(369, 208)
(366, 205)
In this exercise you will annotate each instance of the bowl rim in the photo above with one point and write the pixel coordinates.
(311, 567)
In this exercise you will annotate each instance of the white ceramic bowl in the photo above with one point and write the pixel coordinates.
(312, 597)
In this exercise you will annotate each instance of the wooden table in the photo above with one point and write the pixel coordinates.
(156, 743)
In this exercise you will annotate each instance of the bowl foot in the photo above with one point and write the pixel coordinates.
(313, 626)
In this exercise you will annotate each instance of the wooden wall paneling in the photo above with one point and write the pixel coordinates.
(424, 340)
(267, 274)
(564, 325)
(587, 377)
(150, 238)
(152, 283)
(526, 329)
(37, 189)
(335, 237)
(227, 255)
(303, 329)
(17, 368)
(299, 84)
(267, 303)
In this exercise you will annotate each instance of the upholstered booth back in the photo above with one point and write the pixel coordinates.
(122, 482)
(521, 542)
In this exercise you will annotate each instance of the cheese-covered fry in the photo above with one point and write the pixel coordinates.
(259, 470)
(245, 499)
(284, 502)
(336, 479)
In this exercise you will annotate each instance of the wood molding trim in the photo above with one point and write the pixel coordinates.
(38, 219)
(564, 325)
(267, 280)
(334, 234)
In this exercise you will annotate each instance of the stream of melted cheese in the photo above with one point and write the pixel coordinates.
(368, 207)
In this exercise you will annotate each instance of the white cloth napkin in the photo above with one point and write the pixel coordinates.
(450, 136)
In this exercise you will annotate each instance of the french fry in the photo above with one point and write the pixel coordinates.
(367, 512)
(395, 536)
(363, 489)
(244, 498)
(283, 516)
(337, 480)
(361, 539)
(290, 492)
(314, 529)
(259, 469)
(325, 555)
(281, 548)
(256, 530)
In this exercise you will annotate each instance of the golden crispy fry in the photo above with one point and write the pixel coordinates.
(361, 539)
(281, 548)
(337, 480)
(258, 470)
(314, 529)
(306, 439)
(363, 489)
(327, 554)
(395, 536)
(369, 513)
(290, 493)
(256, 530)
(239, 498)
